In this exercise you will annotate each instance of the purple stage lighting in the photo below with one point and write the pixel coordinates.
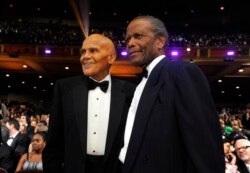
(174, 53)
(124, 53)
(230, 56)
(230, 53)
(47, 51)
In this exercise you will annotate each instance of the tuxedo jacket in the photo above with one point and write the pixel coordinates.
(176, 127)
(10, 155)
(66, 145)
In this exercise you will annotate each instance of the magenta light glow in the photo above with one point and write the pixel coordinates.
(174, 53)
(47, 51)
(230, 53)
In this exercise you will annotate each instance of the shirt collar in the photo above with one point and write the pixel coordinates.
(107, 78)
(151, 66)
(14, 135)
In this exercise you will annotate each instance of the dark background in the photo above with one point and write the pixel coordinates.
(193, 16)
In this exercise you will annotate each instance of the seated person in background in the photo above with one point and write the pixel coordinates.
(23, 128)
(246, 117)
(4, 129)
(242, 148)
(14, 147)
(32, 161)
(230, 158)
(41, 127)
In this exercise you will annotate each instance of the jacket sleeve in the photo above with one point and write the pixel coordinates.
(198, 119)
(53, 153)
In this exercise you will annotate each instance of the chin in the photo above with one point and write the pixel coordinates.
(136, 62)
(87, 73)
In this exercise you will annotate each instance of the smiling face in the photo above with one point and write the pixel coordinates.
(242, 147)
(97, 55)
(142, 43)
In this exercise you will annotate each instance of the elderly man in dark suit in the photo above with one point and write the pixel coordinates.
(14, 147)
(88, 114)
(172, 124)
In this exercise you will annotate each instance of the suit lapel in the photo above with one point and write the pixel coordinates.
(80, 94)
(146, 102)
(116, 112)
(13, 143)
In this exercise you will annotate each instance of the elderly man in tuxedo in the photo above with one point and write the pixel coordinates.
(172, 124)
(88, 114)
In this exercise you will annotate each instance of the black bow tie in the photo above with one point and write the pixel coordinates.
(144, 73)
(93, 84)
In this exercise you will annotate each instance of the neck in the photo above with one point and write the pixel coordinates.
(99, 78)
(12, 133)
(38, 151)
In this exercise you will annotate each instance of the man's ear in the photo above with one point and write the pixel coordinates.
(112, 58)
(161, 42)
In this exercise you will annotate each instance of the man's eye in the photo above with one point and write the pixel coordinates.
(127, 39)
(92, 50)
(135, 36)
(138, 36)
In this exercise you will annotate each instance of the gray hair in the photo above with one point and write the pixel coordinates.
(158, 27)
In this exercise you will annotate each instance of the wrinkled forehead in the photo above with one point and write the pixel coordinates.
(242, 142)
(93, 42)
(97, 41)
(139, 25)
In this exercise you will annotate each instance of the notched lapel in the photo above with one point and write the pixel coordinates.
(81, 97)
(13, 143)
(118, 98)
(145, 105)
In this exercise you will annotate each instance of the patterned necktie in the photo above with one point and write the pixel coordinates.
(93, 84)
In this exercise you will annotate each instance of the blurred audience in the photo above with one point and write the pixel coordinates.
(246, 117)
(58, 33)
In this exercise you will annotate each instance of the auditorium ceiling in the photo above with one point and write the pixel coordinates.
(229, 80)
(40, 73)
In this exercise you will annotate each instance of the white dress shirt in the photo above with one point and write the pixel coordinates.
(11, 138)
(248, 167)
(133, 108)
(98, 118)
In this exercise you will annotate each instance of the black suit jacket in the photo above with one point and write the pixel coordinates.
(10, 155)
(242, 168)
(66, 145)
(176, 128)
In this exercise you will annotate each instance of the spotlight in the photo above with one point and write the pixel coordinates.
(230, 53)
(47, 51)
(229, 56)
(174, 53)
(123, 53)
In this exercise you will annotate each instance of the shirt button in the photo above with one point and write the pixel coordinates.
(95, 115)
(94, 133)
(93, 151)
